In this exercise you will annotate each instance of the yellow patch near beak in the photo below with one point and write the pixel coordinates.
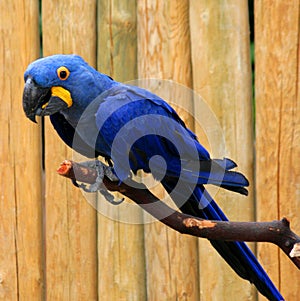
(63, 94)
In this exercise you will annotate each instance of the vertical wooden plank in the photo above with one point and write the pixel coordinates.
(164, 53)
(222, 77)
(117, 44)
(121, 263)
(277, 128)
(71, 262)
(20, 159)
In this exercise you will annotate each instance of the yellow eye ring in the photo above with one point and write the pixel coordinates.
(63, 73)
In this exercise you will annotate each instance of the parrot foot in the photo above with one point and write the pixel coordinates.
(102, 170)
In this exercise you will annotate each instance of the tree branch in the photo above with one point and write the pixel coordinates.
(276, 232)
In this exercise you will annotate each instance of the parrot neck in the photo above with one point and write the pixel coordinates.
(83, 99)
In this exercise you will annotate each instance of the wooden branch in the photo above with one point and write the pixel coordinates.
(277, 232)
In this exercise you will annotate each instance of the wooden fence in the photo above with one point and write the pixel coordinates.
(53, 243)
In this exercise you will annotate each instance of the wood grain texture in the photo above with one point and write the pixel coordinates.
(21, 276)
(117, 39)
(222, 77)
(164, 54)
(71, 258)
(277, 128)
(121, 259)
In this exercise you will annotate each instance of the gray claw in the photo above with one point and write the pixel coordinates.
(110, 198)
(102, 170)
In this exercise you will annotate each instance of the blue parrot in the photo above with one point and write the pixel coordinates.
(134, 129)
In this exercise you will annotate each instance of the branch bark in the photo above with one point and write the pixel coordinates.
(276, 232)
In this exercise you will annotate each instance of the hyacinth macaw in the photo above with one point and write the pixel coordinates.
(135, 129)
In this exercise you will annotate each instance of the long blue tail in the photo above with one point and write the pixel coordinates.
(236, 254)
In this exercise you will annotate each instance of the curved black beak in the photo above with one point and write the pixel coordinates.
(33, 96)
(40, 101)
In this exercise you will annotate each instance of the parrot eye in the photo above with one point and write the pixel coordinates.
(63, 73)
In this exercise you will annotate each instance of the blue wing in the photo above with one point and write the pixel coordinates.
(139, 125)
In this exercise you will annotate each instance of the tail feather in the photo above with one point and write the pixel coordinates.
(216, 172)
(226, 163)
(236, 254)
(237, 189)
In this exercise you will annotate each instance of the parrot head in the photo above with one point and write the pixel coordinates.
(59, 83)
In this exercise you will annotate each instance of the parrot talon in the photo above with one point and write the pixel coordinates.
(74, 182)
(102, 170)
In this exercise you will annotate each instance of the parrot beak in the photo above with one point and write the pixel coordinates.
(41, 101)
